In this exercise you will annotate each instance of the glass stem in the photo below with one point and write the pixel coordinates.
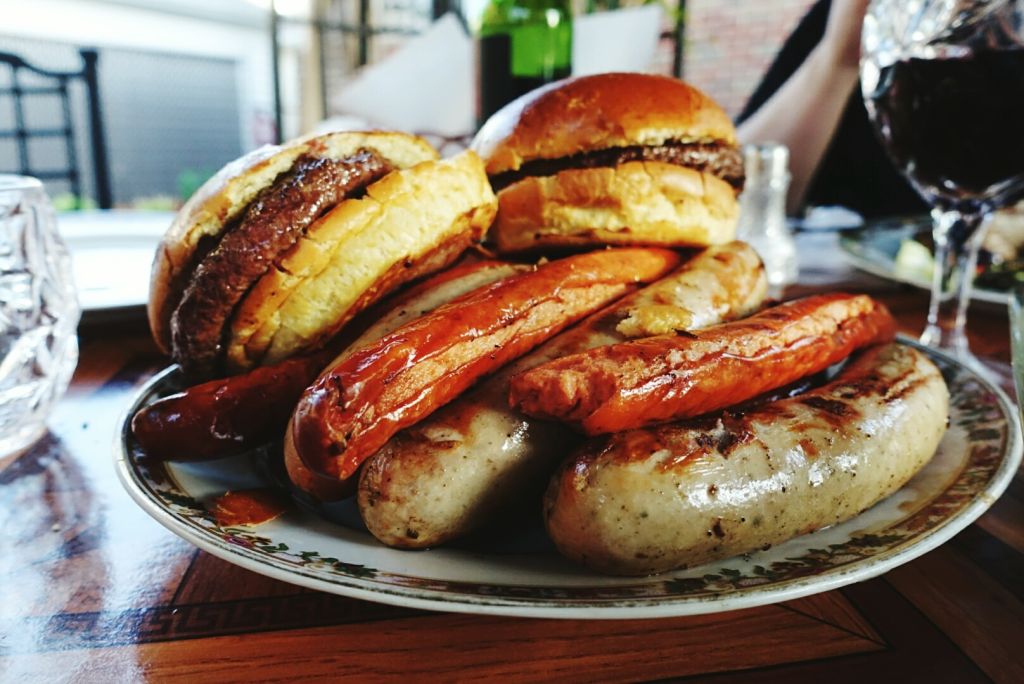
(957, 239)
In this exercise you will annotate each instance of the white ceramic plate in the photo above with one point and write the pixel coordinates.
(522, 574)
(874, 250)
(111, 255)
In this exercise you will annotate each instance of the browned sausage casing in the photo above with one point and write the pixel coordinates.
(655, 499)
(477, 458)
(234, 414)
(653, 380)
(225, 417)
(419, 301)
(359, 403)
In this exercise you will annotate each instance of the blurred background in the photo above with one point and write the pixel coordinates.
(179, 87)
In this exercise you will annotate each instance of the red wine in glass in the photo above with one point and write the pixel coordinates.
(952, 120)
(955, 126)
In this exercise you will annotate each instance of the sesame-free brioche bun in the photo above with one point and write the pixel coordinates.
(410, 223)
(280, 248)
(586, 161)
(230, 190)
(595, 112)
(634, 203)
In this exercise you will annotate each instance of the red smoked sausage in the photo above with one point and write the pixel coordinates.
(356, 406)
(232, 415)
(668, 377)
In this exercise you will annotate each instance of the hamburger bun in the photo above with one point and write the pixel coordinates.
(612, 158)
(276, 252)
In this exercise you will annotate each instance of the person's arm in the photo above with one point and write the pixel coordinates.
(804, 112)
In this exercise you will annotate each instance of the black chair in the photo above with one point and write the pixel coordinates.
(22, 133)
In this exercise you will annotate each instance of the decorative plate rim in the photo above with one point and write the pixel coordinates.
(553, 606)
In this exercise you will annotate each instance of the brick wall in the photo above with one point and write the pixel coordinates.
(730, 43)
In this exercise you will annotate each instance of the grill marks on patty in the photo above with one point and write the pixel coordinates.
(273, 222)
(721, 160)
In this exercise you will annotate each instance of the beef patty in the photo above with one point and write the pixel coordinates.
(724, 161)
(250, 244)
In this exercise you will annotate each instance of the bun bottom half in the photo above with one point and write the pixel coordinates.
(636, 203)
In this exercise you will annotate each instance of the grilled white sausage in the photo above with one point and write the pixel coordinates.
(454, 471)
(650, 500)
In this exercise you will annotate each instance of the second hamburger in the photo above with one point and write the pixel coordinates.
(617, 158)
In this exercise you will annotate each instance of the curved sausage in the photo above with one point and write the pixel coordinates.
(359, 403)
(417, 302)
(655, 499)
(227, 416)
(232, 415)
(476, 458)
(642, 382)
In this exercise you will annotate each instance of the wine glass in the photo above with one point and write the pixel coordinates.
(943, 83)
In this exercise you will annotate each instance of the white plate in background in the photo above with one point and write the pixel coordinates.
(111, 255)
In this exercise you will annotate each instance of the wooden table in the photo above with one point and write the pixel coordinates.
(92, 589)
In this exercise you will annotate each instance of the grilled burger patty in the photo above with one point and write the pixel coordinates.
(246, 251)
(723, 161)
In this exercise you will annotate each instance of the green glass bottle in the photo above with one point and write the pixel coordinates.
(522, 44)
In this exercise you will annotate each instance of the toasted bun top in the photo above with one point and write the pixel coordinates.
(229, 192)
(597, 112)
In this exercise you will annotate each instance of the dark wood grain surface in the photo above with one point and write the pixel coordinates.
(92, 589)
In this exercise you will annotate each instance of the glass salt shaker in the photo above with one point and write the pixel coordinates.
(38, 313)
(762, 221)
